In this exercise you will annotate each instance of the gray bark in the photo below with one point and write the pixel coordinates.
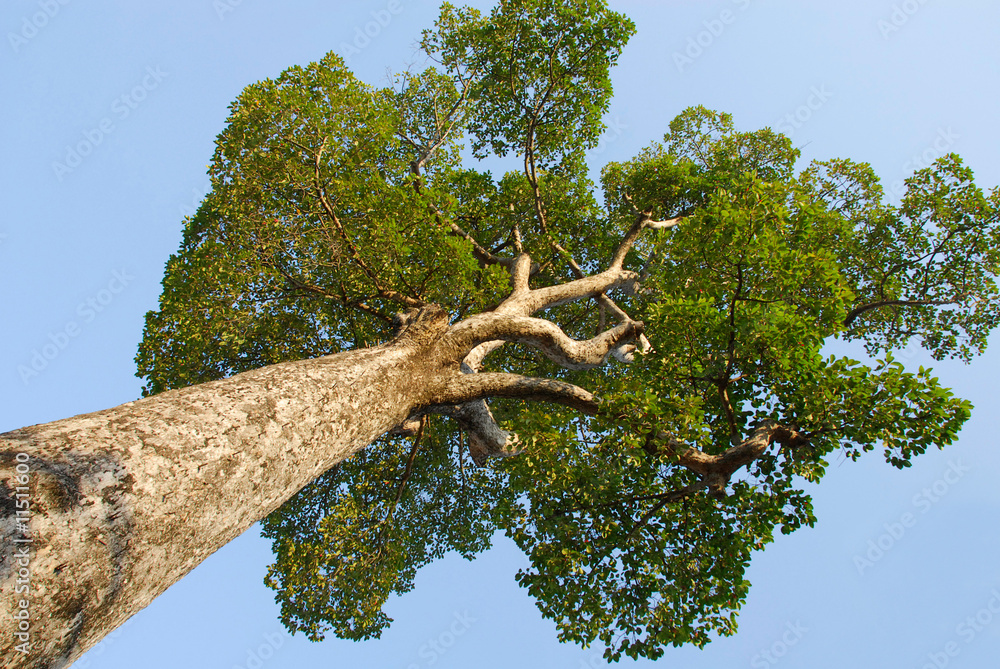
(126, 501)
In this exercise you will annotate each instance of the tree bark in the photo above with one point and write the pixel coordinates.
(122, 503)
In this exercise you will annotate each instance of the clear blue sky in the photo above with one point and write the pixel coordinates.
(145, 87)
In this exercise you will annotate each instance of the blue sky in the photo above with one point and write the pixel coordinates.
(902, 567)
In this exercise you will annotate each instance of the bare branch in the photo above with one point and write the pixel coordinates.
(716, 470)
(474, 360)
(663, 225)
(463, 388)
(584, 288)
(486, 438)
(520, 272)
(544, 336)
(643, 221)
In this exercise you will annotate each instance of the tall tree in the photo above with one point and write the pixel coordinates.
(352, 292)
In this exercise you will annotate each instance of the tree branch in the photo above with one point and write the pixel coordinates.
(716, 470)
(544, 336)
(298, 284)
(664, 499)
(865, 308)
(388, 294)
(643, 221)
(464, 388)
(478, 251)
(409, 469)
(519, 273)
(582, 288)
(486, 438)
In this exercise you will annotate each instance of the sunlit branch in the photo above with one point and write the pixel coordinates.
(486, 438)
(643, 221)
(464, 388)
(545, 336)
(716, 470)
(572, 291)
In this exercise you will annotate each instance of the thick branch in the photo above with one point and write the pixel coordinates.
(486, 438)
(716, 470)
(474, 360)
(596, 286)
(544, 336)
(643, 221)
(468, 387)
(520, 273)
(553, 296)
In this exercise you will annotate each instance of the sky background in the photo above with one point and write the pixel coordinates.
(145, 87)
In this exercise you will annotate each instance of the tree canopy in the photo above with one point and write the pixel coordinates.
(336, 205)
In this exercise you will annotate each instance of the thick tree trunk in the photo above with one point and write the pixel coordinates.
(118, 505)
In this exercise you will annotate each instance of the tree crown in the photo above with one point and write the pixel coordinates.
(717, 275)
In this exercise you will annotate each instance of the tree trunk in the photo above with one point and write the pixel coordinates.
(120, 504)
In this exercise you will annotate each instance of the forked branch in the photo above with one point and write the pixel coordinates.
(545, 336)
(716, 470)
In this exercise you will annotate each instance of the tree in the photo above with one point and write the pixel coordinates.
(638, 490)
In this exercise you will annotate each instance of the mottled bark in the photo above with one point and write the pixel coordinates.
(124, 502)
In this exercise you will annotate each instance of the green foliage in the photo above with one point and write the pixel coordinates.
(930, 262)
(335, 204)
(537, 69)
(367, 525)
